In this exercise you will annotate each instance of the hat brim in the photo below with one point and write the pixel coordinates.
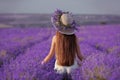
(62, 29)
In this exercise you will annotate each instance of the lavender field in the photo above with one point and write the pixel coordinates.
(25, 40)
(23, 49)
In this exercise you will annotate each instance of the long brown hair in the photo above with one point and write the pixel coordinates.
(66, 47)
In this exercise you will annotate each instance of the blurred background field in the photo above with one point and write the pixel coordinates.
(43, 20)
(25, 40)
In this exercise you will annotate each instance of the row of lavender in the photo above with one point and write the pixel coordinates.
(102, 62)
(14, 41)
(99, 44)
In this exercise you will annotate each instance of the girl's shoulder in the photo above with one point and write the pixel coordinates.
(54, 38)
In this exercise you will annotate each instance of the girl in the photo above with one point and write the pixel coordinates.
(65, 44)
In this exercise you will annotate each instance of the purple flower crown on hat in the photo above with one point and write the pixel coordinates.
(56, 20)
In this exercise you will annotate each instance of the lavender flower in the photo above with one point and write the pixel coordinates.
(22, 51)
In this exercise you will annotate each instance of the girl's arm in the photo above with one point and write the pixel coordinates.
(79, 55)
(51, 53)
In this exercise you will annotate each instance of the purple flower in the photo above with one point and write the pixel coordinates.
(58, 12)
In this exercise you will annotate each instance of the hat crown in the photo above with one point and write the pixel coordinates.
(63, 22)
(66, 19)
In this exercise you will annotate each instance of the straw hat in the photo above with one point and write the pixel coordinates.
(63, 22)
